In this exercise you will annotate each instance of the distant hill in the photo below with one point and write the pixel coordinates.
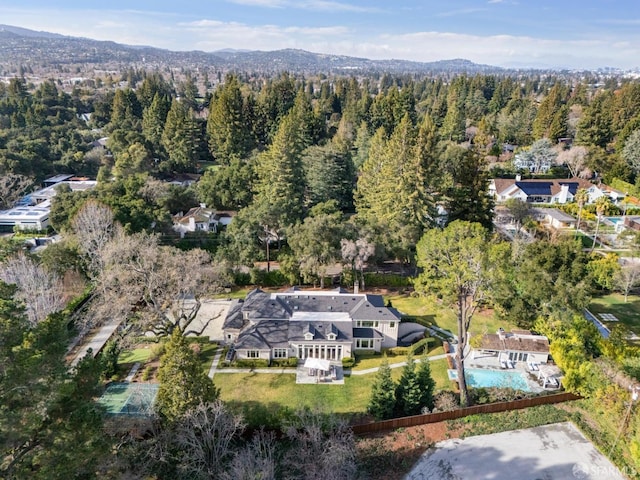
(25, 32)
(22, 46)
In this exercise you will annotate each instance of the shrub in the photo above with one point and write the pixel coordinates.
(445, 401)
(348, 362)
(274, 278)
(395, 351)
(418, 347)
(147, 373)
(251, 363)
(385, 280)
(157, 351)
(285, 362)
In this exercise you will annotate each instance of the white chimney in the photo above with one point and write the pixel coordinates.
(564, 194)
(518, 178)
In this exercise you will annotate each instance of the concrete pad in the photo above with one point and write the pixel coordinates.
(551, 452)
(210, 318)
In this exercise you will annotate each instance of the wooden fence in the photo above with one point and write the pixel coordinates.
(367, 428)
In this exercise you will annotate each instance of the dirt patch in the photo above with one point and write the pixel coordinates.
(391, 455)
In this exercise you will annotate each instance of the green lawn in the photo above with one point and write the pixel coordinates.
(628, 313)
(280, 390)
(427, 309)
(371, 360)
(140, 355)
(207, 352)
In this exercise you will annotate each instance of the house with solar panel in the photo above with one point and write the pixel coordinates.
(537, 190)
(328, 325)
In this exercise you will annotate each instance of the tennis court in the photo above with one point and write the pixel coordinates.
(134, 399)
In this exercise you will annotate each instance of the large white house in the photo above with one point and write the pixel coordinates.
(329, 325)
(537, 190)
(202, 219)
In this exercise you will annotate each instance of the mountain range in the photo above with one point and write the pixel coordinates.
(21, 46)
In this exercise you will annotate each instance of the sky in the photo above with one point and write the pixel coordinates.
(509, 33)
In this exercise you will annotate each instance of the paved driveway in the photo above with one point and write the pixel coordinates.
(551, 452)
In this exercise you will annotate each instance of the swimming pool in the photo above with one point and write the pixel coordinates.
(484, 378)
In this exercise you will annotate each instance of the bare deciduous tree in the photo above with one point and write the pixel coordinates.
(628, 277)
(163, 285)
(257, 460)
(323, 448)
(39, 289)
(94, 228)
(356, 254)
(204, 437)
(12, 187)
(576, 161)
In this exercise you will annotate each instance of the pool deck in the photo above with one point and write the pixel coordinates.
(491, 362)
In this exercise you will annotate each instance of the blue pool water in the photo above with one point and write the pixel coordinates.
(481, 377)
(615, 220)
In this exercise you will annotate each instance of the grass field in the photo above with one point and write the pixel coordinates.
(370, 361)
(427, 309)
(140, 355)
(628, 313)
(280, 390)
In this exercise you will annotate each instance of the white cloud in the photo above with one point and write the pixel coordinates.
(318, 5)
(462, 11)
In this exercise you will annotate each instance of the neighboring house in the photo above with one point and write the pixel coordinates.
(32, 212)
(202, 219)
(541, 190)
(517, 346)
(533, 165)
(329, 325)
(554, 218)
(27, 217)
(76, 184)
(184, 179)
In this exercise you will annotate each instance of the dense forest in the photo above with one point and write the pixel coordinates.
(296, 156)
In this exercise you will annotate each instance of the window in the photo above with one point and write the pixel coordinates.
(331, 336)
(392, 325)
(279, 353)
(366, 323)
(364, 343)
(253, 354)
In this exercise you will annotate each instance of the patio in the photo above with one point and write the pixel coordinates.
(318, 371)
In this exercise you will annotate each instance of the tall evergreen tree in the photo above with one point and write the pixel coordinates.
(228, 129)
(183, 384)
(551, 119)
(281, 184)
(329, 175)
(408, 394)
(154, 118)
(182, 138)
(383, 399)
(426, 383)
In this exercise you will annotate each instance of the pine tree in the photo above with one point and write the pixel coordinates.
(408, 394)
(181, 137)
(426, 383)
(154, 118)
(281, 183)
(183, 384)
(228, 129)
(383, 399)
(550, 120)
